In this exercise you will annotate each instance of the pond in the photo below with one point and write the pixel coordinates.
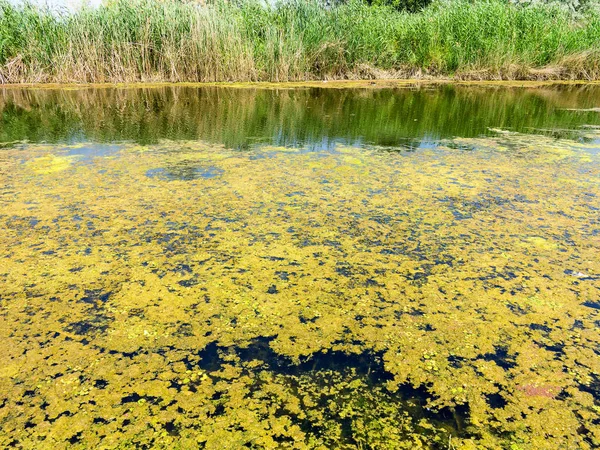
(311, 268)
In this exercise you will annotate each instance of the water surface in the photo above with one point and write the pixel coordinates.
(223, 268)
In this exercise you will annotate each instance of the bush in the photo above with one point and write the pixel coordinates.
(403, 5)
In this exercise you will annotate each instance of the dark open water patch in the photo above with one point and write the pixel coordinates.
(185, 173)
(353, 373)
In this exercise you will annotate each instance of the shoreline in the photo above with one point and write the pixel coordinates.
(331, 84)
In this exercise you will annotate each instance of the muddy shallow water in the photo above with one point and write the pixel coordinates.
(214, 268)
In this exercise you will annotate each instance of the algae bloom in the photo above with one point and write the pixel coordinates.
(185, 294)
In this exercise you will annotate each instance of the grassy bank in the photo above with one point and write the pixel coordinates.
(153, 40)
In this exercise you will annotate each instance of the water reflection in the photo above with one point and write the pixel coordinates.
(312, 117)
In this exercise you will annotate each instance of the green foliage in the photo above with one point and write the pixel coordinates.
(569, 5)
(402, 5)
(150, 40)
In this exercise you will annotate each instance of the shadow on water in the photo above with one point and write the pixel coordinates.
(243, 118)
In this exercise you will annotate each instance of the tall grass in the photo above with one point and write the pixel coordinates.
(154, 40)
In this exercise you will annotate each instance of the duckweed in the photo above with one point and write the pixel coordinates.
(354, 298)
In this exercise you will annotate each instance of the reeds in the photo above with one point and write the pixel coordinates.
(153, 40)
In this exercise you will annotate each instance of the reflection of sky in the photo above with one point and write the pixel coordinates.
(69, 5)
(90, 151)
(593, 148)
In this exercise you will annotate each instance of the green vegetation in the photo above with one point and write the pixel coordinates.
(150, 40)
(408, 5)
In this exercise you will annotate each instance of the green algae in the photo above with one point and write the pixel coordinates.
(49, 164)
(350, 298)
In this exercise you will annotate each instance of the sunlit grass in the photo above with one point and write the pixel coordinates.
(152, 40)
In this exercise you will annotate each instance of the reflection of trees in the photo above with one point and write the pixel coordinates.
(239, 118)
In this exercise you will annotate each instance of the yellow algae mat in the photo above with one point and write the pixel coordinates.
(182, 295)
